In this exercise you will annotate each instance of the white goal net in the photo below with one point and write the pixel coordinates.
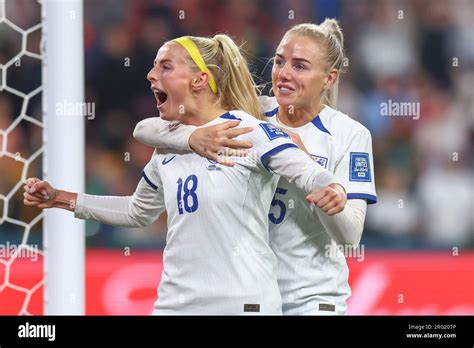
(41, 65)
(19, 158)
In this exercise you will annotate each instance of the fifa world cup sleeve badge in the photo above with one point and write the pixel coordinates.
(360, 167)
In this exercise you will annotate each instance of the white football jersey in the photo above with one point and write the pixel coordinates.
(312, 271)
(217, 258)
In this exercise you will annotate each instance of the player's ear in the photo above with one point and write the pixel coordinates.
(199, 81)
(330, 78)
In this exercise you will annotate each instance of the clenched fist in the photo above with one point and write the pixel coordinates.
(39, 193)
(332, 199)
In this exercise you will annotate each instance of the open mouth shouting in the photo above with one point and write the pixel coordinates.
(160, 96)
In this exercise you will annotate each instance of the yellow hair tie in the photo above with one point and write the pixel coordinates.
(193, 51)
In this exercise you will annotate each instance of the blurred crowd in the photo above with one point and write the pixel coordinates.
(419, 51)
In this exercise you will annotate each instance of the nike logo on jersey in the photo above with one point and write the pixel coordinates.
(213, 165)
(166, 161)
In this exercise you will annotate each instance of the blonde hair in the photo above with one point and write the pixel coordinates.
(329, 34)
(236, 88)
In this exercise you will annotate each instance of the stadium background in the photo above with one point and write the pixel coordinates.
(418, 241)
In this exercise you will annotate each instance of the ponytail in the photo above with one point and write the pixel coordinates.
(239, 90)
(236, 89)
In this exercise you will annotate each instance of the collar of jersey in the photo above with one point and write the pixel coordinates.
(316, 121)
(227, 115)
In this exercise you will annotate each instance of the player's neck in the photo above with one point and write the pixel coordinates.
(202, 113)
(298, 117)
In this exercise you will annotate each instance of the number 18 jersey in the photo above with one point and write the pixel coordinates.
(217, 259)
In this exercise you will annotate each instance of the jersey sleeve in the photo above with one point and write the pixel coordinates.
(347, 226)
(151, 173)
(267, 141)
(162, 134)
(356, 168)
(278, 154)
(141, 209)
(297, 167)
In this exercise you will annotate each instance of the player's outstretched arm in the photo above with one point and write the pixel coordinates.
(41, 194)
(141, 209)
(214, 142)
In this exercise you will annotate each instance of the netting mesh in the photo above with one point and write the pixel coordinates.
(21, 256)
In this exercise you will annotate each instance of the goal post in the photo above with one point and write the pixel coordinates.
(64, 155)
